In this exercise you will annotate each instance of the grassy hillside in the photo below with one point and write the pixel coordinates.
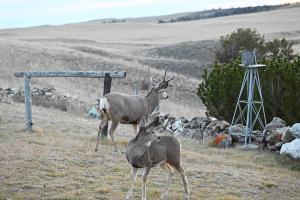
(134, 47)
(57, 161)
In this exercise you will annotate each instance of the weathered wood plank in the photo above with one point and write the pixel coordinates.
(84, 74)
(27, 97)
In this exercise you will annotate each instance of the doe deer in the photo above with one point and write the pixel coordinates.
(147, 150)
(129, 109)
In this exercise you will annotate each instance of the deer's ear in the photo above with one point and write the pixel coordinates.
(163, 85)
(154, 123)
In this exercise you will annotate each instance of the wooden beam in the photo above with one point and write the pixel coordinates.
(107, 75)
(27, 97)
(83, 74)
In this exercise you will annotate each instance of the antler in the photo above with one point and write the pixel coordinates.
(170, 79)
(153, 118)
(164, 83)
(152, 79)
(165, 73)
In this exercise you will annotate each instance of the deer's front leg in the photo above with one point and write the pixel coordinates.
(134, 126)
(145, 175)
(132, 179)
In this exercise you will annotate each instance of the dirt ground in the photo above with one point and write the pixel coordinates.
(57, 161)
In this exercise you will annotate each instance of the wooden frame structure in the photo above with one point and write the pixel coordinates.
(107, 75)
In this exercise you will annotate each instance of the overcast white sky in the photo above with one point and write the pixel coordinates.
(23, 13)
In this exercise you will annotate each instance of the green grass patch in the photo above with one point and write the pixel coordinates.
(269, 184)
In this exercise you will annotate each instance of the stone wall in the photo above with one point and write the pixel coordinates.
(46, 97)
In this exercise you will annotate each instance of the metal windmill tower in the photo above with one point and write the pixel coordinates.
(249, 110)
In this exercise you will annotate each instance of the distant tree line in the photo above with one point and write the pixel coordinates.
(114, 21)
(223, 12)
(280, 79)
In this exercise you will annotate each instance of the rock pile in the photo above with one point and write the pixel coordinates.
(196, 128)
(276, 133)
(274, 136)
(237, 132)
(46, 97)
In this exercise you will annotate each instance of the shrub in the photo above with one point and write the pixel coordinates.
(241, 39)
(280, 79)
(280, 82)
(279, 48)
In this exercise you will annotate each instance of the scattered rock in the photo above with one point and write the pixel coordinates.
(219, 125)
(287, 136)
(295, 130)
(222, 140)
(93, 113)
(271, 147)
(183, 119)
(182, 126)
(274, 137)
(275, 123)
(237, 133)
(279, 144)
(46, 97)
(292, 149)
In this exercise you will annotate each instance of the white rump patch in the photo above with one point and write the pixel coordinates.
(104, 105)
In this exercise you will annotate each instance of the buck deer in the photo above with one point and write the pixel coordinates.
(147, 150)
(129, 109)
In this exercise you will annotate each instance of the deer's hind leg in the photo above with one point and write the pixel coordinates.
(101, 126)
(185, 182)
(114, 125)
(166, 167)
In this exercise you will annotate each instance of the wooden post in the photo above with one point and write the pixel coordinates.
(106, 90)
(136, 90)
(27, 97)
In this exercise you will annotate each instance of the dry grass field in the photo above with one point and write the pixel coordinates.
(57, 161)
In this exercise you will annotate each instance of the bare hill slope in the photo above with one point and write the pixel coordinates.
(187, 47)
